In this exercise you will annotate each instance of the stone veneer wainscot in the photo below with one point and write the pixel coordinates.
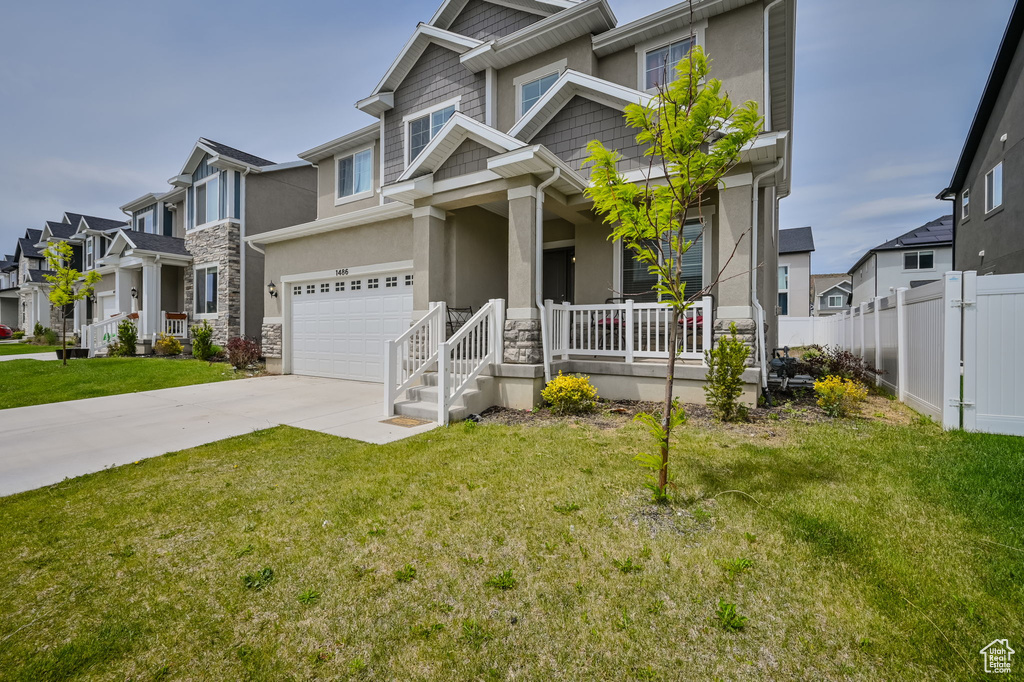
(220, 245)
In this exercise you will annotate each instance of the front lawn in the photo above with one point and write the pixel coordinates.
(25, 349)
(30, 382)
(855, 550)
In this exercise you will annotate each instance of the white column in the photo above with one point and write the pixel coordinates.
(151, 299)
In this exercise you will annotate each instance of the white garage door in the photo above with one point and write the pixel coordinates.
(338, 326)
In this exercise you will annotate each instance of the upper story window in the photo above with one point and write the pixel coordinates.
(994, 188)
(965, 205)
(207, 201)
(89, 253)
(423, 126)
(659, 63)
(919, 260)
(145, 220)
(534, 90)
(835, 301)
(355, 175)
(784, 290)
(531, 86)
(212, 196)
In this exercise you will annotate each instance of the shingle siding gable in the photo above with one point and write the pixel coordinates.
(470, 157)
(583, 120)
(485, 21)
(437, 76)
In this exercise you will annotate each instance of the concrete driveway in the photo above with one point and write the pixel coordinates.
(44, 444)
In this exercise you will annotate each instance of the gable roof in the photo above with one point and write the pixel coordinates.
(27, 245)
(56, 230)
(997, 77)
(583, 18)
(37, 276)
(450, 10)
(568, 85)
(424, 35)
(796, 240)
(127, 241)
(843, 286)
(455, 131)
(938, 232)
(204, 146)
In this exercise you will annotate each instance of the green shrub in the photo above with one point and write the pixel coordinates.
(216, 353)
(20, 334)
(167, 345)
(38, 329)
(202, 341)
(726, 362)
(127, 337)
(570, 394)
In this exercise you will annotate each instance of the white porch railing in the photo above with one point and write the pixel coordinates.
(413, 353)
(101, 334)
(461, 358)
(175, 324)
(628, 330)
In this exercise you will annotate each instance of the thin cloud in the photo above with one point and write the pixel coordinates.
(890, 207)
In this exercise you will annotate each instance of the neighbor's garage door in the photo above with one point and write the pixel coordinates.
(338, 326)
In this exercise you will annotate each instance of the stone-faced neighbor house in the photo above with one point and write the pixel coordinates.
(467, 188)
(181, 259)
(33, 300)
(795, 248)
(9, 291)
(987, 188)
(917, 257)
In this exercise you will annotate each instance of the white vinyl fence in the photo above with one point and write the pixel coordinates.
(927, 338)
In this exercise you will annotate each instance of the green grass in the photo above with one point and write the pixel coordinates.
(25, 349)
(864, 551)
(30, 382)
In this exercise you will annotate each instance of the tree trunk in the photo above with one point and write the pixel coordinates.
(666, 414)
(64, 337)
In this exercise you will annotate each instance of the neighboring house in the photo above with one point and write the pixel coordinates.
(33, 302)
(480, 132)
(987, 188)
(9, 291)
(831, 293)
(180, 258)
(795, 248)
(912, 259)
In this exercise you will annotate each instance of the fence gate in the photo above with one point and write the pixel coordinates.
(993, 326)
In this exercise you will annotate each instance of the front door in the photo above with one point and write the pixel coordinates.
(559, 274)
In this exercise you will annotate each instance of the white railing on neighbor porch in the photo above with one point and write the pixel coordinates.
(461, 358)
(628, 330)
(99, 335)
(175, 324)
(413, 353)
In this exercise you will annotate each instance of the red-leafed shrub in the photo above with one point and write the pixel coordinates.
(243, 352)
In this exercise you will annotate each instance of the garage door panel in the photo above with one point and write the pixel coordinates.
(340, 333)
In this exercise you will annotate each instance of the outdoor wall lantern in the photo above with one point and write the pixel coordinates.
(135, 292)
(272, 289)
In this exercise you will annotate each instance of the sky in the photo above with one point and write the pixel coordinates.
(101, 102)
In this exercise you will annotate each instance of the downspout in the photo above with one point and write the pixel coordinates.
(759, 311)
(539, 277)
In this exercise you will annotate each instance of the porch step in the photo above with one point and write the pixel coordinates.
(421, 401)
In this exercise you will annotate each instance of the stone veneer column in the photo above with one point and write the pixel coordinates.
(522, 339)
(218, 246)
(428, 241)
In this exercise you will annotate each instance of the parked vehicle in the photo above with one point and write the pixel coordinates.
(5, 332)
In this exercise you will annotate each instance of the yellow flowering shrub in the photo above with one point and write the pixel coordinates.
(837, 396)
(570, 394)
(167, 345)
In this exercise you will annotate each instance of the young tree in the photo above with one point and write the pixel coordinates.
(67, 285)
(693, 135)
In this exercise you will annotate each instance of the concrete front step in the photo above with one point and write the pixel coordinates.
(421, 401)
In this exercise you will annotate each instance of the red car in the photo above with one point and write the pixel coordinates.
(5, 332)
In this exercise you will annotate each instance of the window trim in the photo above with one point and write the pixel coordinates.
(828, 301)
(988, 199)
(918, 254)
(90, 252)
(619, 255)
(696, 30)
(965, 204)
(195, 300)
(407, 120)
(357, 196)
(518, 82)
(195, 200)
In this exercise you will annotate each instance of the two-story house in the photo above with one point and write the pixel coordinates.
(917, 257)
(795, 248)
(987, 188)
(180, 258)
(9, 291)
(831, 293)
(33, 300)
(469, 187)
